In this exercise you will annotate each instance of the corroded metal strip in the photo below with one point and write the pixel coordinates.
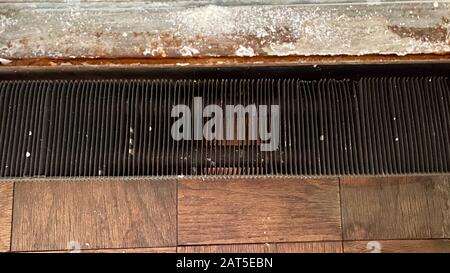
(149, 30)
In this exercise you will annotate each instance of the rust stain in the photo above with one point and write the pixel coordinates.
(437, 34)
(226, 61)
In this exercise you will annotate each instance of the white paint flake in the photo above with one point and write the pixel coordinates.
(147, 52)
(245, 51)
(188, 51)
(4, 61)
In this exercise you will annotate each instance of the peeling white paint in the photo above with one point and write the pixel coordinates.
(188, 51)
(245, 51)
(4, 61)
(147, 52)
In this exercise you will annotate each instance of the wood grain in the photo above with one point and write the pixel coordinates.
(306, 247)
(402, 246)
(396, 207)
(309, 247)
(238, 248)
(118, 250)
(134, 250)
(96, 214)
(6, 200)
(254, 211)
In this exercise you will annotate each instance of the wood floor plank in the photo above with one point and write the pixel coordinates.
(116, 213)
(135, 250)
(394, 246)
(396, 207)
(255, 211)
(119, 250)
(304, 247)
(239, 248)
(308, 247)
(6, 201)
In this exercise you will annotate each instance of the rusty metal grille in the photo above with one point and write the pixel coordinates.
(370, 126)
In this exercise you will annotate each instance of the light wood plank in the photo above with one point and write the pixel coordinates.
(119, 213)
(403, 246)
(396, 207)
(6, 200)
(263, 210)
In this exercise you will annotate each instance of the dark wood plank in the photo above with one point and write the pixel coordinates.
(393, 246)
(119, 213)
(396, 207)
(304, 247)
(263, 210)
(6, 200)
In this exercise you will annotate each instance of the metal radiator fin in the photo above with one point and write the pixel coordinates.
(371, 126)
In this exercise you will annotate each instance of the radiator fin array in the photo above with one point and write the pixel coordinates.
(371, 126)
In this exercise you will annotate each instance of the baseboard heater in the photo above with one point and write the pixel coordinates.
(293, 121)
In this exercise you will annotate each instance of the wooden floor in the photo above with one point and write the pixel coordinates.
(392, 214)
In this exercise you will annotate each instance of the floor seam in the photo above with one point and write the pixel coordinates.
(12, 216)
(341, 214)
